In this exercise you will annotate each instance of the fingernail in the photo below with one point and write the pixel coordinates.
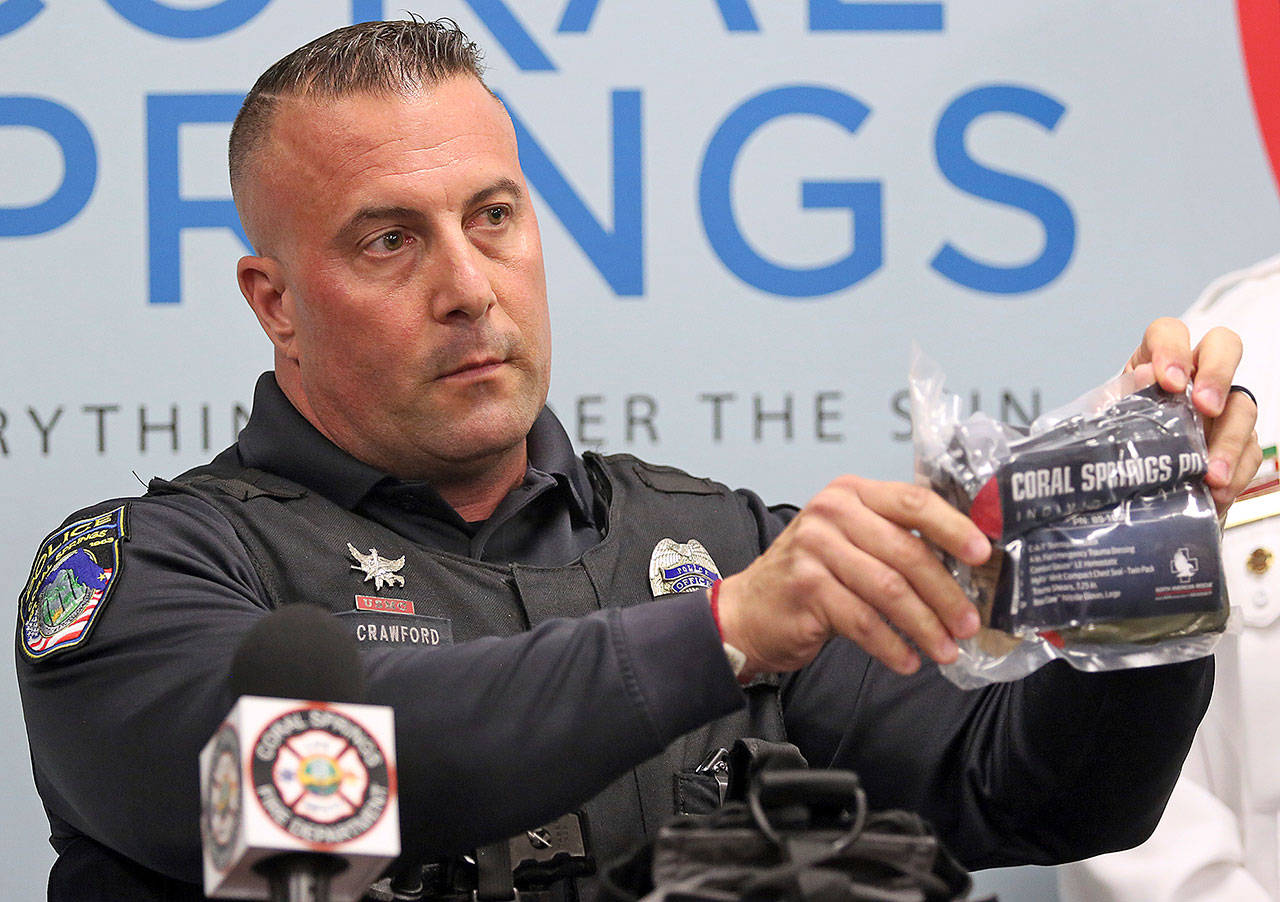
(907, 665)
(1219, 471)
(977, 549)
(1210, 399)
(969, 625)
(1177, 375)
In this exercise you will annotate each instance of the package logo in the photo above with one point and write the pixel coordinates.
(1183, 565)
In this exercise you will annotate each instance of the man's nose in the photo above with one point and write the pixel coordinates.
(463, 289)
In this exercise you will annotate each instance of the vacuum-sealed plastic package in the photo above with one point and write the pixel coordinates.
(1106, 542)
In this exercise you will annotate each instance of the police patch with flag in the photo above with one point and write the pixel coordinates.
(73, 574)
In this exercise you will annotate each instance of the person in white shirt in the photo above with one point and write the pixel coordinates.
(1219, 838)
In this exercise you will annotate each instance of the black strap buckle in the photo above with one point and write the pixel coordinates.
(531, 861)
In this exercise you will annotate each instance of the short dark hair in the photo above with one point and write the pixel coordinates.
(393, 57)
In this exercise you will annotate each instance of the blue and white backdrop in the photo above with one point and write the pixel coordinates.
(750, 208)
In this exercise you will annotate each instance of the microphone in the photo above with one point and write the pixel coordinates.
(298, 784)
(299, 651)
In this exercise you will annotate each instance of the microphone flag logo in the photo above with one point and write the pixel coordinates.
(221, 815)
(320, 776)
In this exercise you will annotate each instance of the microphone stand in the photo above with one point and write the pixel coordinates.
(300, 876)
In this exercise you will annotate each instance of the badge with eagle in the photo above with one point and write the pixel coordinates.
(676, 567)
(383, 571)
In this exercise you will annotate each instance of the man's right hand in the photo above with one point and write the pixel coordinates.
(851, 563)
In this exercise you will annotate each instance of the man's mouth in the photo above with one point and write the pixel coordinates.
(479, 366)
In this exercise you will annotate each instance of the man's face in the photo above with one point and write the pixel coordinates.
(412, 273)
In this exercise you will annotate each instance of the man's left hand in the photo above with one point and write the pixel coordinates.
(1234, 453)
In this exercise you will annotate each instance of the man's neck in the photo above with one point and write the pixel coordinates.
(475, 497)
(473, 488)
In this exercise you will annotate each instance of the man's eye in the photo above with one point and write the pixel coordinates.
(496, 215)
(392, 241)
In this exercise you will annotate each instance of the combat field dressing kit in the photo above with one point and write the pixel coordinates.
(1106, 546)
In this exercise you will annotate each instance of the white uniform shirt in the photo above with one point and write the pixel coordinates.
(1219, 838)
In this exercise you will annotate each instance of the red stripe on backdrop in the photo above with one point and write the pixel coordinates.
(1260, 40)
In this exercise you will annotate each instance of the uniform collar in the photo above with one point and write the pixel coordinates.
(279, 439)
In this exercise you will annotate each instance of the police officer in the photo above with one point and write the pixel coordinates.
(605, 626)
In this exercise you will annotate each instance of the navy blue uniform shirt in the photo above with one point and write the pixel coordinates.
(548, 520)
(1058, 766)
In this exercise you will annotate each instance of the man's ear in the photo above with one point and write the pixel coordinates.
(263, 285)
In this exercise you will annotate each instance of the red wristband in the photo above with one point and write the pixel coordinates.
(737, 660)
(715, 607)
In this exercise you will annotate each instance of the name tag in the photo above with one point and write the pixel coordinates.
(372, 628)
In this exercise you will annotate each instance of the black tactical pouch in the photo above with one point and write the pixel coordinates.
(796, 835)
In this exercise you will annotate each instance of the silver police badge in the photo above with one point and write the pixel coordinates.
(676, 567)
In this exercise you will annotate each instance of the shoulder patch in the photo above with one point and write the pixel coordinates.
(72, 577)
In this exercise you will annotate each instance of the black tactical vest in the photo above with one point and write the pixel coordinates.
(298, 540)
